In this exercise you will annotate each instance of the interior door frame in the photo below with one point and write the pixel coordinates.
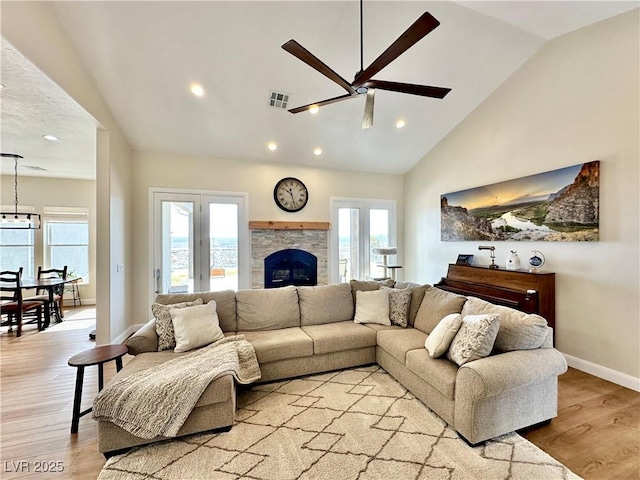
(244, 244)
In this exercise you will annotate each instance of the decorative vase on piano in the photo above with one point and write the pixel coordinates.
(513, 261)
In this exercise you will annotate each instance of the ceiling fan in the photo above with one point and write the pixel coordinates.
(363, 83)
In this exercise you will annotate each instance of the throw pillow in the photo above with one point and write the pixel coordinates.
(436, 304)
(195, 326)
(399, 301)
(372, 307)
(475, 338)
(164, 326)
(438, 341)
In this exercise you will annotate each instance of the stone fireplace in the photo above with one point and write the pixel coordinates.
(290, 267)
(268, 237)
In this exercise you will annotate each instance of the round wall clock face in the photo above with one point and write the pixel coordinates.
(290, 194)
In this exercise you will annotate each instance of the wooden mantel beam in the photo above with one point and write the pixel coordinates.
(272, 225)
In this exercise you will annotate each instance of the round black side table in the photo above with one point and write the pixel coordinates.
(94, 356)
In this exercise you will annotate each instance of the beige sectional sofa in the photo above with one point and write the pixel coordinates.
(304, 330)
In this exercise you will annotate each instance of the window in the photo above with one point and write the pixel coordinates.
(17, 250)
(363, 225)
(66, 240)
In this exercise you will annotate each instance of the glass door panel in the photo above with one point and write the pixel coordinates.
(223, 246)
(378, 237)
(349, 244)
(177, 248)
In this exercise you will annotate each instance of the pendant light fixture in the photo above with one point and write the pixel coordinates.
(15, 220)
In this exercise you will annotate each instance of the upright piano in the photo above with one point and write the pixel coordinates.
(529, 292)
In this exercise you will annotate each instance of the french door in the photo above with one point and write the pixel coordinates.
(200, 242)
(362, 225)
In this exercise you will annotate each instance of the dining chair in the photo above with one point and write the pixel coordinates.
(13, 305)
(43, 296)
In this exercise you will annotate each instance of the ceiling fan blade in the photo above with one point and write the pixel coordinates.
(298, 51)
(367, 117)
(421, 27)
(322, 103)
(424, 90)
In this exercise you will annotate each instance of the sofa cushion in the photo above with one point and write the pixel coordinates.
(325, 304)
(437, 304)
(164, 325)
(442, 335)
(372, 307)
(398, 342)
(399, 301)
(518, 330)
(225, 304)
(336, 337)
(280, 344)
(196, 326)
(475, 338)
(368, 285)
(417, 295)
(218, 391)
(377, 327)
(267, 309)
(440, 373)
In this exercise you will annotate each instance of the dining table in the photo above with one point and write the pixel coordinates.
(48, 284)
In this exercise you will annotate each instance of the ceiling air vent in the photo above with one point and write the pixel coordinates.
(278, 99)
(35, 167)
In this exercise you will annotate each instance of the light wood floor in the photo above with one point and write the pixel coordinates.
(596, 434)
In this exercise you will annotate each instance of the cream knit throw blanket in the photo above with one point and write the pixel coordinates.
(158, 400)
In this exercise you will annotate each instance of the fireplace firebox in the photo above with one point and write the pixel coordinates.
(290, 267)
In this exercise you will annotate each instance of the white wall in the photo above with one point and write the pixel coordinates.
(573, 102)
(39, 192)
(33, 29)
(256, 179)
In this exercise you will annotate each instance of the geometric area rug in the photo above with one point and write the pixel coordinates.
(352, 424)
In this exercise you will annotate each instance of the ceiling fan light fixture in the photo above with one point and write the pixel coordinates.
(313, 109)
(197, 90)
(364, 83)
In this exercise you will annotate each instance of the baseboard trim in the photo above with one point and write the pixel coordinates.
(605, 373)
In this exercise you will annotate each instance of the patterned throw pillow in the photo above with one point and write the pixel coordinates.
(164, 326)
(475, 338)
(399, 301)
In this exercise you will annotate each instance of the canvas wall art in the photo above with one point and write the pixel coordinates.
(560, 205)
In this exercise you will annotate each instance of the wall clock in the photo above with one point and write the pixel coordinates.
(290, 194)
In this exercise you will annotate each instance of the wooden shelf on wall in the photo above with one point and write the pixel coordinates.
(271, 225)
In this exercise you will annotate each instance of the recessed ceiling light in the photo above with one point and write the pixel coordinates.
(317, 151)
(197, 90)
(400, 123)
(314, 109)
(272, 146)
(53, 138)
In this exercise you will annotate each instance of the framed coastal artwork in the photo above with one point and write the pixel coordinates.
(560, 205)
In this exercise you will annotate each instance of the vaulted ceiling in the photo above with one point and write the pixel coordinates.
(144, 56)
